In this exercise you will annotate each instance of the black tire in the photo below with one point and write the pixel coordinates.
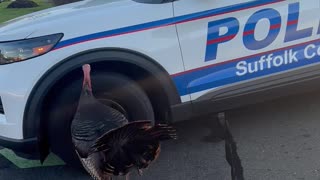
(123, 94)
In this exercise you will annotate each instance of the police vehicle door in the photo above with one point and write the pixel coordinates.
(225, 43)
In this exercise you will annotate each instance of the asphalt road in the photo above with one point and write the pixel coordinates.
(277, 140)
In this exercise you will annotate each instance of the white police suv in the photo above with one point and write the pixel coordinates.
(151, 59)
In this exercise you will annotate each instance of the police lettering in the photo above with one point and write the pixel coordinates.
(230, 26)
(311, 51)
(267, 62)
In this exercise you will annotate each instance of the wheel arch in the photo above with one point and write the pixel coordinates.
(158, 85)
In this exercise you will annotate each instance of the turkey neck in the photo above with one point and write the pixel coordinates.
(86, 97)
(87, 78)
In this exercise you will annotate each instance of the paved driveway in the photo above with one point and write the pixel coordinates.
(278, 140)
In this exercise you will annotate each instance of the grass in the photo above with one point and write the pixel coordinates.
(22, 163)
(7, 14)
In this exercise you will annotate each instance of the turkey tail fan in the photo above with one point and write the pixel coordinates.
(135, 144)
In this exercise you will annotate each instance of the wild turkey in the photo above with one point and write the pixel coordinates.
(107, 143)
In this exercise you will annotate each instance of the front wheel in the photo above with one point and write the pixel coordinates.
(112, 89)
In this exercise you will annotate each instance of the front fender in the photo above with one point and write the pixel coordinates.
(33, 125)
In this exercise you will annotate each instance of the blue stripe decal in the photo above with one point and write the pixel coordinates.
(226, 73)
(165, 22)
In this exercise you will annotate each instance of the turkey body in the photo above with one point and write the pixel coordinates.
(93, 120)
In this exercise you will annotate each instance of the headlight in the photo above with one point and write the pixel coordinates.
(15, 51)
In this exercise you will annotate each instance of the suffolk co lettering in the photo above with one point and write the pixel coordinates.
(216, 37)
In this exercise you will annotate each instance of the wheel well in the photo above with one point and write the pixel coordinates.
(146, 81)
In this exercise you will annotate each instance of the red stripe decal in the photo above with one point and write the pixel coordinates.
(292, 22)
(276, 26)
(189, 20)
(242, 58)
(226, 38)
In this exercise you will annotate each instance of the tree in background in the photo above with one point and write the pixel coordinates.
(22, 4)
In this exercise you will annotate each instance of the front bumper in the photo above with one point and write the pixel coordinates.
(16, 83)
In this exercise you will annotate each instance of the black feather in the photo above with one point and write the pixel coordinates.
(134, 145)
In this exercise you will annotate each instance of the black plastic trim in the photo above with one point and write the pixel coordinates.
(305, 85)
(154, 1)
(29, 146)
(182, 111)
(31, 121)
(1, 107)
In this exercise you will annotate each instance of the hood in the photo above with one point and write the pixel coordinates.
(25, 26)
